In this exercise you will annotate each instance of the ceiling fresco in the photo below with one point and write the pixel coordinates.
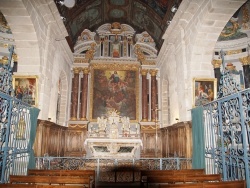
(143, 15)
(238, 26)
(4, 27)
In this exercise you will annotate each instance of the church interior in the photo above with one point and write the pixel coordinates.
(116, 81)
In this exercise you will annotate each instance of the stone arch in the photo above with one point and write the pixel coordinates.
(23, 30)
(193, 32)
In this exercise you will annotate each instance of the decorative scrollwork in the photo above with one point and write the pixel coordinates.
(6, 74)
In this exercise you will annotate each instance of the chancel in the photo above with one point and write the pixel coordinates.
(113, 136)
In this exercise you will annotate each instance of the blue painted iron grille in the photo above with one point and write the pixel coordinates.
(226, 123)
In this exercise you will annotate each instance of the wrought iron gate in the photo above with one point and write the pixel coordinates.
(227, 136)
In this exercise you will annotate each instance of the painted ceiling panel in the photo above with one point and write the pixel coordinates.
(143, 15)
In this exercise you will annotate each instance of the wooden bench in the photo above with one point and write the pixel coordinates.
(157, 173)
(62, 172)
(226, 184)
(172, 179)
(81, 173)
(171, 172)
(24, 185)
(221, 184)
(49, 180)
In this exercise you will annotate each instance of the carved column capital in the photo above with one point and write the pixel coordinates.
(14, 56)
(153, 72)
(76, 70)
(216, 63)
(86, 71)
(245, 60)
(144, 72)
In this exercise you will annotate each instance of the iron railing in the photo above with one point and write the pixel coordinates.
(109, 169)
(226, 123)
(14, 126)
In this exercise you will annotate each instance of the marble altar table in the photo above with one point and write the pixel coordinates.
(113, 148)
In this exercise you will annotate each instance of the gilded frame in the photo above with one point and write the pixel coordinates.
(26, 89)
(204, 90)
(104, 90)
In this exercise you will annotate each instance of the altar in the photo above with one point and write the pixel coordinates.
(112, 148)
(113, 137)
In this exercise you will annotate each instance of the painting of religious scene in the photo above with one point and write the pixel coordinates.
(25, 88)
(114, 90)
(204, 90)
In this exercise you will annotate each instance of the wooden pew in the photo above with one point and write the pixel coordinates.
(61, 172)
(24, 185)
(221, 184)
(165, 173)
(181, 185)
(157, 180)
(226, 184)
(81, 173)
(49, 180)
(171, 172)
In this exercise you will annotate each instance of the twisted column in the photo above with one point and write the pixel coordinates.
(74, 95)
(84, 94)
(144, 95)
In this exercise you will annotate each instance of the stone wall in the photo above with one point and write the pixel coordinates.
(187, 51)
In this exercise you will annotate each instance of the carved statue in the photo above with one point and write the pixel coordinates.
(102, 123)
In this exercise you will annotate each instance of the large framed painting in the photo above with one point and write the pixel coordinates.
(204, 90)
(25, 88)
(114, 88)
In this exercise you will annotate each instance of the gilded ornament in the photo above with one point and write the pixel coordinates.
(148, 63)
(115, 66)
(144, 72)
(245, 60)
(14, 56)
(226, 32)
(216, 63)
(231, 52)
(76, 70)
(116, 28)
(153, 72)
(86, 70)
(77, 126)
(80, 60)
(4, 60)
(21, 128)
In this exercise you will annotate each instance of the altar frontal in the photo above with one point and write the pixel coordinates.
(113, 136)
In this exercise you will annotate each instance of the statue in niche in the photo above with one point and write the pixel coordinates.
(116, 47)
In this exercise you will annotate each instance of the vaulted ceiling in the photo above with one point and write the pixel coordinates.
(143, 15)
